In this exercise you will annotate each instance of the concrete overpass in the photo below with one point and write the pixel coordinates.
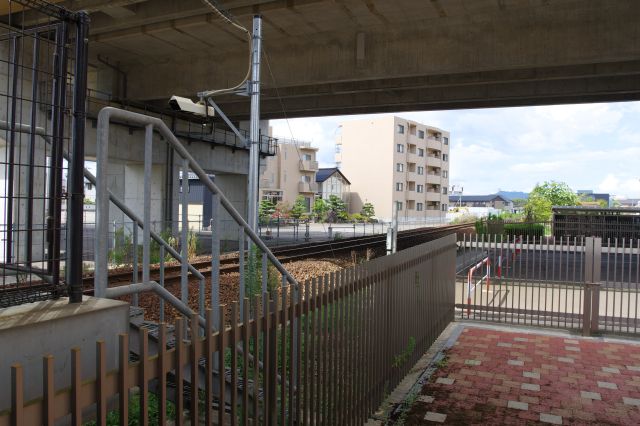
(362, 56)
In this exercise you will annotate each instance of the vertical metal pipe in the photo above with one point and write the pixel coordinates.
(12, 146)
(76, 165)
(57, 148)
(242, 292)
(254, 130)
(134, 298)
(102, 210)
(146, 230)
(161, 281)
(215, 259)
(265, 273)
(184, 252)
(32, 148)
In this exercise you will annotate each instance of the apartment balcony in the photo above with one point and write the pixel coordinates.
(434, 161)
(433, 196)
(433, 143)
(434, 178)
(308, 166)
(433, 207)
(414, 158)
(307, 187)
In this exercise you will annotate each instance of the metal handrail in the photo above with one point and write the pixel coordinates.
(40, 131)
(102, 204)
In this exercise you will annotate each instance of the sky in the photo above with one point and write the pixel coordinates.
(588, 146)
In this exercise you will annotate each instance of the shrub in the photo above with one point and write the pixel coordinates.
(524, 229)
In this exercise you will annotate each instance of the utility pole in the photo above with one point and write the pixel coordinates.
(254, 124)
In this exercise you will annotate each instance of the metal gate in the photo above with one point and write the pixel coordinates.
(571, 283)
(43, 71)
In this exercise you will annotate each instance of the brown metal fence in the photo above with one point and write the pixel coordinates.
(573, 283)
(328, 353)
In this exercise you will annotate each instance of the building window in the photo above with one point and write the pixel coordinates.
(421, 134)
(445, 207)
(399, 205)
(444, 190)
(445, 157)
(399, 186)
(338, 148)
(420, 170)
(338, 164)
(305, 178)
(419, 207)
(401, 129)
(400, 147)
(399, 167)
(306, 157)
(445, 174)
(420, 152)
(446, 140)
(420, 188)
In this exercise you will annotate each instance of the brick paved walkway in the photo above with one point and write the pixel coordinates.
(497, 377)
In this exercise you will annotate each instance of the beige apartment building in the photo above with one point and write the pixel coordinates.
(393, 162)
(290, 173)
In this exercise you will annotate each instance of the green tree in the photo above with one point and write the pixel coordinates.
(266, 209)
(338, 207)
(299, 208)
(320, 207)
(368, 211)
(545, 196)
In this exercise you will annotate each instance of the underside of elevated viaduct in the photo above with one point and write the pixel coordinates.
(363, 56)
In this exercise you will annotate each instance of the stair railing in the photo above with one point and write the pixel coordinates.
(103, 197)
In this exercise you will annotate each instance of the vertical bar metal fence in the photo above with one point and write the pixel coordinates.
(327, 354)
(43, 67)
(587, 284)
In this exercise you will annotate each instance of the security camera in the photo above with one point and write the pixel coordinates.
(178, 103)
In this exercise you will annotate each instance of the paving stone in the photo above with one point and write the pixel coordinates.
(611, 370)
(445, 380)
(435, 417)
(633, 368)
(530, 387)
(631, 401)
(517, 405)
(515, 362)
(566, 359)
(590, 395)
(550, 418)
(531, 374)
(607, 385)
(427, 399)
(504, 345)
(472, 362)
(572, 348)
(572, 341)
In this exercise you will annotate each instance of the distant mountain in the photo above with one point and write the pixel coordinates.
(514, 194)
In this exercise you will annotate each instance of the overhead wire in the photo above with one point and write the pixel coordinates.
(229, 19)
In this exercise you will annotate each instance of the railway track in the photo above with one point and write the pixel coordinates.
(285, 254)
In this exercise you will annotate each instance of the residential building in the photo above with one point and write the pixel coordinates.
(495, 201)
(331, 181)
(290, 173)
(396, 163)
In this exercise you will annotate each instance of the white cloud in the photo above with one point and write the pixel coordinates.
(589, 146)
(621, 187)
